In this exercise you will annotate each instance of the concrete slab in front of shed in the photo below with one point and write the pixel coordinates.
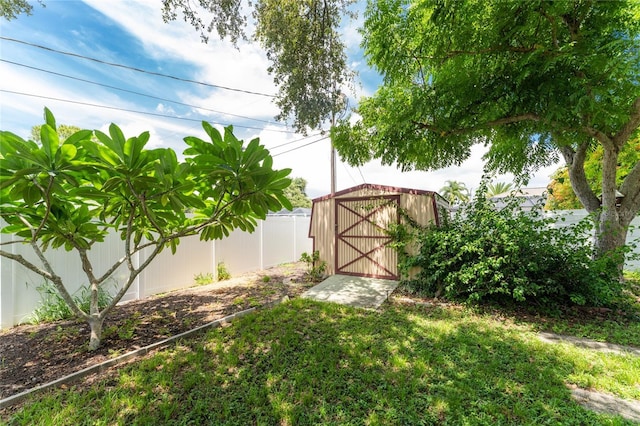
(360, 292)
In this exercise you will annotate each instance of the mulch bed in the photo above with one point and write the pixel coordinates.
(31, 355)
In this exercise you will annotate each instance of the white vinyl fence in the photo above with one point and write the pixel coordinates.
(572, 217)
(278, 239)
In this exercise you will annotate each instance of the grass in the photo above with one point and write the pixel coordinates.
(305, 363)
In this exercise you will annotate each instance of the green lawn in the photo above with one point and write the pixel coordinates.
(307, 363)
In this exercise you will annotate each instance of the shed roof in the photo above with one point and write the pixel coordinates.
(383, 188)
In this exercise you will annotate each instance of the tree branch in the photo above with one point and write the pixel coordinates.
(631, 126)
(489, 124)
(575, 165)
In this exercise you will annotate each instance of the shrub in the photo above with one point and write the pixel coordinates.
(490, 254)
(315, 266)
(53, 307)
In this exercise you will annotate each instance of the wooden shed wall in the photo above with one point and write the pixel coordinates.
(327, 221)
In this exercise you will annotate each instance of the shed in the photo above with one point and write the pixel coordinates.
(349, 228)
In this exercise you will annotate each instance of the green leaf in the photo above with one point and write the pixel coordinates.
(50, 142)
(49, 118)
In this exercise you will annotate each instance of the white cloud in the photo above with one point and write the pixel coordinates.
(177, 44)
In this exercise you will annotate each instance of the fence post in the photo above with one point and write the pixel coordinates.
(295, 238)
(7, 289)
(261, 242)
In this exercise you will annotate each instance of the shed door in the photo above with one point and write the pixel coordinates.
(362, 242)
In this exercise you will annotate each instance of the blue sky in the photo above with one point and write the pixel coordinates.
(132, 33)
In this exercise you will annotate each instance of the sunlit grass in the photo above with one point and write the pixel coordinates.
(310, 363)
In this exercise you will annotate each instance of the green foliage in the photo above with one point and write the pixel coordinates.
(54, 308)
(520, 77)
(528, 80)
(10, 9)
(307, 56)
(560, 193)
(498, 188)
(302, 42)
(223, 272)
(71, 192)
(296, 193)
(455, 192)
(203, 279)
(315, 266)
(486, 254)
(310, 363)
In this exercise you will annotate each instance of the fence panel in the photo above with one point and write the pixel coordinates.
(241, 252)
(571, 217)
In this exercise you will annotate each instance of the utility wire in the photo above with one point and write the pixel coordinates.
(349, 174)
(301, 146)
(76, 55)
(138, 93)
(361, 175)
(297, 140)
(134, 111)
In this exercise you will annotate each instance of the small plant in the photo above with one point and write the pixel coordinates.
(53, 307)
(266, 279)
(127, 330)
(203, 279)
(315, 266)
(223, 272)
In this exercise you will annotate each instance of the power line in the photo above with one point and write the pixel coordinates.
(297, 140)
(137, 93)
(349, 174)
(134, 111)
(361, 175)
(112, 64)
(301, 146)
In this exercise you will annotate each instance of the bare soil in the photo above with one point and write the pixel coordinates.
(31, 355)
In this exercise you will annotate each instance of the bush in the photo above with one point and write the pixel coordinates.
(53, 307)
(489, 254)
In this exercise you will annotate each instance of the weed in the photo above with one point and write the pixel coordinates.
(223, 272)
(203, 279)
(266, 279)
(315, 266)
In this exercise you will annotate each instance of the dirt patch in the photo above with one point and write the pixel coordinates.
(31, 355)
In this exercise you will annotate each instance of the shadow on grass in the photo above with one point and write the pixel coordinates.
(310, 363)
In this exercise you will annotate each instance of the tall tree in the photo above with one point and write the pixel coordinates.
(529, 79)
(72, 192)
(296, 193)
(455, 192)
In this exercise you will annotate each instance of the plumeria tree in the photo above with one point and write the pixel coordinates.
(72, 192)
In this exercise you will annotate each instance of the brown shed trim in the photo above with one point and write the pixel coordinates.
(379, 188)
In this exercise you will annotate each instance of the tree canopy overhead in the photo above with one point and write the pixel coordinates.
(302, 42)
(531, 80)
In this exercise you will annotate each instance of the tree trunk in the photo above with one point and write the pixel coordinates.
(95, 325)
(611, 221)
